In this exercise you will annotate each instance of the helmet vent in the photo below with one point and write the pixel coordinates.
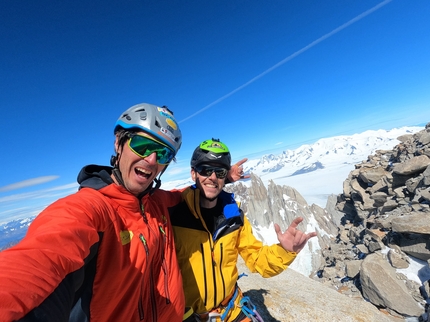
(143, 115)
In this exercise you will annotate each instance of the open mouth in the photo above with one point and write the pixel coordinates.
(142, 172)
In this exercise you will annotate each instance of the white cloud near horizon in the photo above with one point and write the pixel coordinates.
(28, 183)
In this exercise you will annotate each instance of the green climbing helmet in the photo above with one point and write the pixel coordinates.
(211, 151)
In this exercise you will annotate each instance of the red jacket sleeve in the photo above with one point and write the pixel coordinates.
(56, 244)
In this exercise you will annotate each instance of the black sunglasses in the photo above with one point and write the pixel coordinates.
(207, 170)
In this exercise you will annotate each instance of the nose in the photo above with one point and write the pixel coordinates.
(213, 176)
(152, 158)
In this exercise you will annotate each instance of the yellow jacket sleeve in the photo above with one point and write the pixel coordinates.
(267, 260)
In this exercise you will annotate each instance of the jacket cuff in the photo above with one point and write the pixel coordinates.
(287, 256)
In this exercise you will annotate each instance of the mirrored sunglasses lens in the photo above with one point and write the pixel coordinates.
(144, 147)
(164, 156)
(139, 145)
(207, 172)
(221, 173)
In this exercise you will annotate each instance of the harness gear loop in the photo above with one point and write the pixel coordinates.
(248, 308)
(230, 304)
(221, 313)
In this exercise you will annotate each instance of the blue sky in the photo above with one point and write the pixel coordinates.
(263, 76)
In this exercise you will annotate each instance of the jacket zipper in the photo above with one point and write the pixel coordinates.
(151, 286)
(205, 298)
(140, 304)
(214, 268)
(214, 275)
(220, 271)
(164, 266)
(151, 273)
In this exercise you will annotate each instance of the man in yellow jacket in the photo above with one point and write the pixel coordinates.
(210, 233)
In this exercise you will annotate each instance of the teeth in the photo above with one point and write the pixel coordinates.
(143, 171)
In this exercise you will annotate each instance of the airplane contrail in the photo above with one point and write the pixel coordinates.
(312, 44)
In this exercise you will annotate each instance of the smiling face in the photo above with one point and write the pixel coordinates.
(210, 187)
(137, 173)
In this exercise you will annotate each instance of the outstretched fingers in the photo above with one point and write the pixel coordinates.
(295, 222)
(239, 163)
(293, 239)
(236, 171)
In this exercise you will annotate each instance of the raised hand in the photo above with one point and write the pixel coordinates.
(292, 239)
(236, 171)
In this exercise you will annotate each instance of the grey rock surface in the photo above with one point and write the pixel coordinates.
(290, 296)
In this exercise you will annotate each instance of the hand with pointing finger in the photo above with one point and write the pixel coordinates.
(236, 171)
(292, 239)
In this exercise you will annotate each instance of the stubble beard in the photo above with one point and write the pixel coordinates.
(202, 195)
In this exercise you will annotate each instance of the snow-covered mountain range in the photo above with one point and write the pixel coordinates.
(13, 231)
(315, 170)
(319, 169)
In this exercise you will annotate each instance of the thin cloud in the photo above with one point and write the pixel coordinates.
(20, 214)
(297, 53)
(28, 183)
(45, 193)
(32, 203)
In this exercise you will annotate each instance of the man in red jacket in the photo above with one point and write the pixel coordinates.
(105, 253)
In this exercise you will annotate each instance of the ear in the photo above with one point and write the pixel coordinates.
(116, 145)
(193, 175)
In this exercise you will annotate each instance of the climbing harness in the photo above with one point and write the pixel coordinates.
(221, 313)
(248, 308)
(245, 304)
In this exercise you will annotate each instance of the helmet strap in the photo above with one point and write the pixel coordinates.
(114, 161)
(158, 181)
(118, 176)
(157, 185)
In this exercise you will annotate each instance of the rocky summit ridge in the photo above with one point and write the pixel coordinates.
(368, 236)
(385, 227)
